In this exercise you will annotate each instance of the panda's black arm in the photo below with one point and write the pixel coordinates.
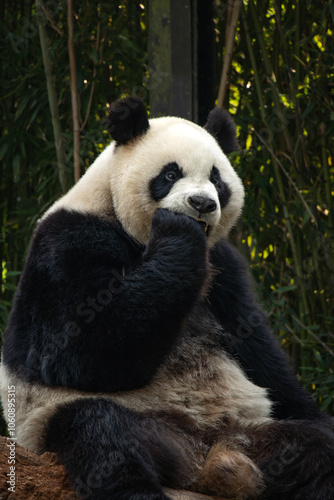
(248, 337)
(94, 312)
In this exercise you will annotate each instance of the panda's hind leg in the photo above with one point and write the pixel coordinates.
(110, 452)
(296, 459)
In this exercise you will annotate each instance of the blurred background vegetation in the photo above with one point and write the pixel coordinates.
(280, 91)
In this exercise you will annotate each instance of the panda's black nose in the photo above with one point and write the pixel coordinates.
(202, 204)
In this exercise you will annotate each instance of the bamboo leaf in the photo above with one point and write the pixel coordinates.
(284, 289)
(22, 106)
(327, 402)
(16, 167)
(308, 110)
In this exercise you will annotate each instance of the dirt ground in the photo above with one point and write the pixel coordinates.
(36, 477)
(41, 477)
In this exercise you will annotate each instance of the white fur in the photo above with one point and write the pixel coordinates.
(207, 389)
(119, 179)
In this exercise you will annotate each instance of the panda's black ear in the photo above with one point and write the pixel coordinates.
(127, 119)
(221, 125)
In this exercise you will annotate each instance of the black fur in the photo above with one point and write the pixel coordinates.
(296, 459)
(109, 452)
(221, 126)
(127, 119)
(86, 287)
(161, 185)
(224, 192)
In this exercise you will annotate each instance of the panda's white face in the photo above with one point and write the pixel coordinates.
(179, 166)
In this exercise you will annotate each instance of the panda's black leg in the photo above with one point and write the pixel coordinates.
(296, 459)
(111, 453)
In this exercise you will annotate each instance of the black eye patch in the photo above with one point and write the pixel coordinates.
(161, 185)
(224, 192)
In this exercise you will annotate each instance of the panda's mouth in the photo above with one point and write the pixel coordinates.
(204, 224)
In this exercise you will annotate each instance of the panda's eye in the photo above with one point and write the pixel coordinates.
(161, 185)
(171, 176)
(215, 177)
(223, 190)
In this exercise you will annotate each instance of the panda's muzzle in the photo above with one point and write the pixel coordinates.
(202, 205)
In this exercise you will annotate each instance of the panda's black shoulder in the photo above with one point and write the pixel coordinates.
(89, 228)
(74, 237)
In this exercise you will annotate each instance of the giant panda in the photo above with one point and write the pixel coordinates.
(138, 351)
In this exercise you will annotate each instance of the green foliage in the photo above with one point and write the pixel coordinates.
(280, 94)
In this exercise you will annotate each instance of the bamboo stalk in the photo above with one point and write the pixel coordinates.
(89, 102)
(327, 179)
(52, 97)
(286, 214)
(74, 93)
(93, 80)
(229, 43)
(287, 175)
(297, 38)
(254, 66)
(309, 331)
(269, 71)
(293, 95)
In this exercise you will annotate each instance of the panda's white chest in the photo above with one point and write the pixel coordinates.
(207, 387)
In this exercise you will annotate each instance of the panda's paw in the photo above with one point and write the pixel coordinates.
(166, 223)
(230, 474)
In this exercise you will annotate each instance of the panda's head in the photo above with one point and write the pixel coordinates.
(173, 163)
